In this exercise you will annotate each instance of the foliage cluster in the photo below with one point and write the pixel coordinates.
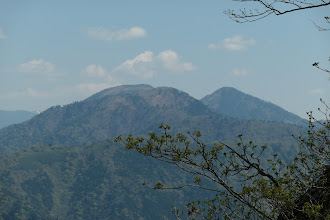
(99, 181)
(267, 188)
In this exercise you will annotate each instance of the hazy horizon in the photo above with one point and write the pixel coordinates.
(55, 53)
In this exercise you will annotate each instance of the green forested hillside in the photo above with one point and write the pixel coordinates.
(62, 164)
(97, 119)
(102, 181)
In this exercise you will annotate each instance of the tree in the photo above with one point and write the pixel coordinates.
(265, 8)
(247, 183)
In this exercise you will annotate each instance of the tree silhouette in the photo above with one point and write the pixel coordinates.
(248, 183)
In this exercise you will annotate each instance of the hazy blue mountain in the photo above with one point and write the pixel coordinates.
(138, 112)
(75, 171)
(14, 117)
(232, 102)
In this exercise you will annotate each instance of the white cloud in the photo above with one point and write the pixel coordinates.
(171, 61)
(37, 66)
(316, 91)
(236, 43)
(93, 70)
(146, 64)
(2, 35)
(239, 72)
(97, 71)
(141, 65)
(101, 33)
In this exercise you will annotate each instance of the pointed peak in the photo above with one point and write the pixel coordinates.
(228, 89)
(232, 102)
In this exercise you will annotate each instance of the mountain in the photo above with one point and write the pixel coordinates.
(232, 102)
(135, 110)
(100, 181)
(14, 117)
(63, 163)
(134, 90)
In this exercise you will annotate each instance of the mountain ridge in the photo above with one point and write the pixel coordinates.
(64, 164)
(232, 102)
(138, 111)
(121, 90)
(8, 118)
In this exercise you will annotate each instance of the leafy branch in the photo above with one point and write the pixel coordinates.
(248, 184)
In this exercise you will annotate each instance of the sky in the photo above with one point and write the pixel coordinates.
(58, 52)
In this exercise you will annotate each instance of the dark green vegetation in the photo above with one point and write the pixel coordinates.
(102, 181)
(14, 117)
(234, 103)
(303, 188)
(247, 183)
(62, 163)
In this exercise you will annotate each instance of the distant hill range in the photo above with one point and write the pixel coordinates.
(136, 109)
(14, 117)
(74, 170)
(232, 102)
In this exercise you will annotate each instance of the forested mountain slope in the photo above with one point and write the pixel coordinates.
(101, 181)
(106, 115)
(232, 102)
(75, 171)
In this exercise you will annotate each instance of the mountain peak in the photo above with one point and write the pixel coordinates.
(232, 102)
(122, 90)
(227, 90)
(168, 96)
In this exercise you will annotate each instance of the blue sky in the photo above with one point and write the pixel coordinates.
(57, 52)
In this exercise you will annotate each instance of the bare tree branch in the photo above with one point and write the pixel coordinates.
(276, 7)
